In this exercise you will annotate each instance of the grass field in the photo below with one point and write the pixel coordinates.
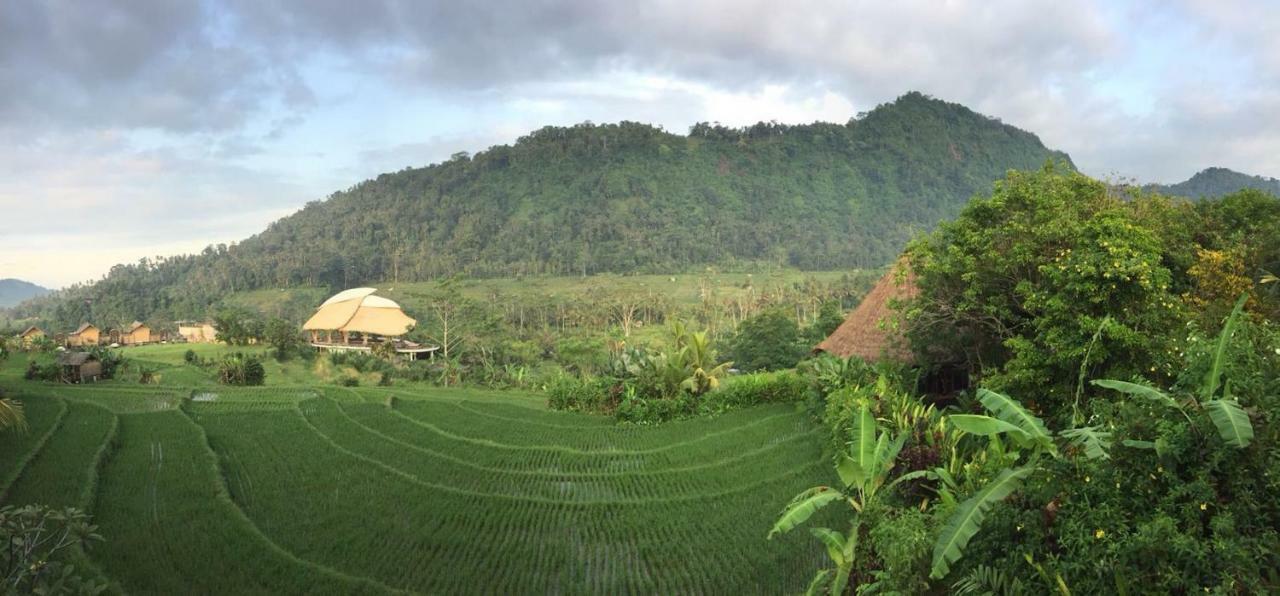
(297, 488)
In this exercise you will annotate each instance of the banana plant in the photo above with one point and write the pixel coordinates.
(1224, 411)
(864, 472)
(1024, 431)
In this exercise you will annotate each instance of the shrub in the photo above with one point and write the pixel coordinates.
(241, 369)
(349, 382)
(759, 388)
(190, 357)
(767, 341)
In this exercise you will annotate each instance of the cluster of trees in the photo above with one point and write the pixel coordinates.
(602, 198)
(1123, 437)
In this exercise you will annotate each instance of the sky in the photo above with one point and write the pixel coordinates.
(156, 127)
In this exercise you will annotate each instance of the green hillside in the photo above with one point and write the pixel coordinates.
(619, 198)
(1217, 182)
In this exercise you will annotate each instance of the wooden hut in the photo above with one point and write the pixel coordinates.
(32, 335)
(85, 335)
(872, 331)
(79, 367)
(195, 332)
(135, 334)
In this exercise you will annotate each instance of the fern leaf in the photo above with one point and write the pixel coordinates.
(803, 507)
(968, 517)
(1009, 410)
(1232, 421)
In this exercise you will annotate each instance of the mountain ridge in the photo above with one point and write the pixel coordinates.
(1215, 182)
(616, 198)
(14, 291)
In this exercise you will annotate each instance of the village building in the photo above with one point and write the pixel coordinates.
(79, 367)
(32, 335)
(85, 335)
(357, 320)
(197, 332)
(873, 332)
(137, 333)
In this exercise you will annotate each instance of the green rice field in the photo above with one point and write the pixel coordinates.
(324, 489)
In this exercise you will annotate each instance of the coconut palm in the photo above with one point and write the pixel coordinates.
(11, 415)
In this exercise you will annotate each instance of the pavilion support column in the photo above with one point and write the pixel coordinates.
(346, 338)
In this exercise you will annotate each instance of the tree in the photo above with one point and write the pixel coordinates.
(767, 341)
(11, 416)
(39, 540)
(1020, 284)
(283, 337)
(830, 316)
(236, 326)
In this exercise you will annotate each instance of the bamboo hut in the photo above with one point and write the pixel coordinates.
(355, 319)
(79, 367)
(872, 331)
(32, 335)
(195, 332)
(85, 335)
(137, 333)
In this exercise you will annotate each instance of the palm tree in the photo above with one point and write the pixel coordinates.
(11, 415)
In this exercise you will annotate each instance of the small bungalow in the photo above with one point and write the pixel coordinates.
(135, 334)
(85, 335)
(195, 332)
(873, 332)
(79, 367)
(32, 335)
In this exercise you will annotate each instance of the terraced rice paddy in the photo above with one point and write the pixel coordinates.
(301, 490)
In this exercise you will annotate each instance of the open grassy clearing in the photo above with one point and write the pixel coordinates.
(323, 489)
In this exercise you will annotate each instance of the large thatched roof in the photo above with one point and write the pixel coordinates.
(358, 310)
(870, 331)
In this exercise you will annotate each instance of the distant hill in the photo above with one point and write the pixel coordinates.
(620, 198)
(13, 291)
(1217, 182)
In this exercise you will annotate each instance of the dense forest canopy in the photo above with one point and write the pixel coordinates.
(620, 198)
(1217, 182)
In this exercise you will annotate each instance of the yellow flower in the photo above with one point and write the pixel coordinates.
(1204, 506)
(1099, 534)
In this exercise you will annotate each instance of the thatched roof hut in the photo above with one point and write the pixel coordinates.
(871, 331)
(79, 367)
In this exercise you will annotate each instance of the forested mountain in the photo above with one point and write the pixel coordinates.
(1217, 182)
(13, 291)
(620, 198)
